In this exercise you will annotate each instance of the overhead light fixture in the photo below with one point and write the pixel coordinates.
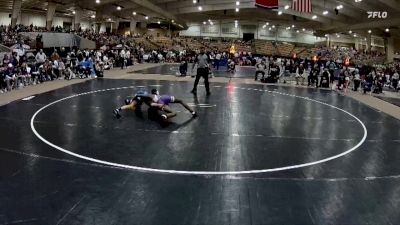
(287, 7)
(297, 31)
(314, 17)
(293, 26)
(304, 29)
(273, 26)
(146, 17)
(339, 7)
(369, 31)
(387, 30)
(93, 16)
(204, 22)
(134, 13)
(109, 19)
(159, 22)
(280, 13)
(326, 35)
(325, 12)
(97, 1)
(194, 1)
(264, 26)
(269, 28)
(173, 21)
(119, 8)
(350, 31)
(200, 8)
(355, 35)
(237, 3)
(237, 9)
(358, 1)
(267, 23)
(73, 12)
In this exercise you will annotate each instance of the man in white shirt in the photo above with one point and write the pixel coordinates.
(40, 57)
(128, 57)
(217, 60)
(122, 56)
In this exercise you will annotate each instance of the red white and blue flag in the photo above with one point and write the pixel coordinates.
(302, 6)
(267, 4)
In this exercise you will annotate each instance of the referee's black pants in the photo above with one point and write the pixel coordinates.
(202, 72)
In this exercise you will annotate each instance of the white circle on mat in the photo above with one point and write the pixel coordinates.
(184, 172)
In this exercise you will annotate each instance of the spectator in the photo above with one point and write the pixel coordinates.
(55, 56)
(260, 69)
(356, 79)
(40, 58)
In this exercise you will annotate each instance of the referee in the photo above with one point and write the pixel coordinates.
(202, 71)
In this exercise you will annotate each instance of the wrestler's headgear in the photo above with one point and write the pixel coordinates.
(154, 92)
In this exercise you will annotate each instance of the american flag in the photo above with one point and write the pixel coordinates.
(302, 6)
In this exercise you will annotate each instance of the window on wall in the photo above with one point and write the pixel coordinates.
(210, 29)
(226, 29)
(267, 33)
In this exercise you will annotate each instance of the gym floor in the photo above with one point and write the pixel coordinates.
(255, 155)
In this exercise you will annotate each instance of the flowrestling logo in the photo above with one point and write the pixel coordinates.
(377, 15)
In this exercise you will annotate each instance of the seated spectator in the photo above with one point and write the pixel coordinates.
(55, 56)
(69, 74)
(61, 69)
(183, 67)
(6, 60)
(313, 76)
(99, 69)
(395, 81)
(325, 79)
(9, 77)
(260, 69)
(25, 75)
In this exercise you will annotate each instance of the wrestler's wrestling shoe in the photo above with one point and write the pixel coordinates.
(116, 114)
(194, 114)
(164, 117)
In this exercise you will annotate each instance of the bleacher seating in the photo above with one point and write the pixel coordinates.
(265, 47)
(284, 49)
(163, 41)
(145, 43)
(297, 50)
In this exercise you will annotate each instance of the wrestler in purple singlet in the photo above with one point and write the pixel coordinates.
(165, 99)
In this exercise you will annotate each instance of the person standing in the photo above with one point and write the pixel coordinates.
(122, 58)
(40, 58)
(217, 60)
(395, 80)
(356, 79)
(202, 71)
